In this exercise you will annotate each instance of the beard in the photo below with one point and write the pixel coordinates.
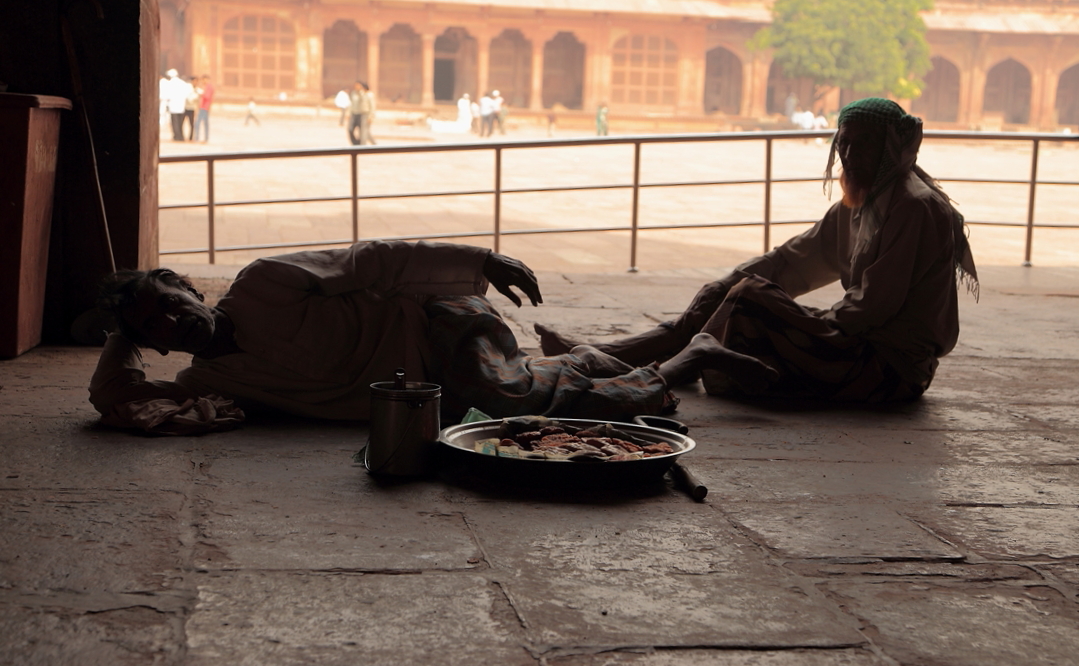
(854, 191)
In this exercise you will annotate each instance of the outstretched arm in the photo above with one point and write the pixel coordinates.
(504, 272)
(119, 378)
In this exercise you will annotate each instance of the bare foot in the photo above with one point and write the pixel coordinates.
(600, 365)
(551, 342)
(705, 353)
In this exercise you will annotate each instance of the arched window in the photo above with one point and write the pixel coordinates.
(400, 67)
(1068, 97)
(344, 57)
(563, 72)
(722, 82)
(784, 92)
(259, 53)
(1007, 92)
(940, 99)
(511, 67)
(645, 71)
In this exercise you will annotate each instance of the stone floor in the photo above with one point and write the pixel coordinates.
(942, 532)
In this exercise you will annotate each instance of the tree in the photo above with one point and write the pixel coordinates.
(870, 46)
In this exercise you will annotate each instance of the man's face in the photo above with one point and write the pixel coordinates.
(860, 147)
(170, 318)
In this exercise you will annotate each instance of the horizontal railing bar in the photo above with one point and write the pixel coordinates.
(533, 232)
(599, 141)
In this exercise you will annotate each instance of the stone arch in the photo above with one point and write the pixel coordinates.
(456, 69)
(344, 57)
(781, 87)
(940, 98)
(722, 82)
(510, 69)
(400, 65)
(644, 71)
(1007, 92)
(1067, 97)
(258, 53)
(563, 71)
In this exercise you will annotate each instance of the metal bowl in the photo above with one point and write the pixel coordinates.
(458, 442)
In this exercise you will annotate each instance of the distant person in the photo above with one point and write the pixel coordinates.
(361, 108)
(206, 100)
(476, 123)
(464, 111)
(790, 106)
(601, 120)
(487, 113)
(820, 121)
(251, 112)
(552, 121)
(366, 136)
(191, 106)
(176, 91)
(501, 109)
(341, 101)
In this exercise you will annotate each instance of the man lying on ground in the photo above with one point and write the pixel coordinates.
(308, 333)
(895, 243)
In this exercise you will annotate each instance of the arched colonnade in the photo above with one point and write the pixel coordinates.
(639, 67)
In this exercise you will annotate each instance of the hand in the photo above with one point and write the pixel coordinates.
(503, 272)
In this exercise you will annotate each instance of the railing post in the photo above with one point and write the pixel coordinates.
(498, 198)
(767, 193)
(636, 206)
(355, 198)
(1030, 201)
(210, 210)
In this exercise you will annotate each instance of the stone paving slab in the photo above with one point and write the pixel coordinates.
(335, 517)
(585, 576)
(258, 618)
(929, 623)
(89, 541)
(810, 531)
(1008, 533)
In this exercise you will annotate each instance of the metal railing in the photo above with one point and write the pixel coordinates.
(634, 226)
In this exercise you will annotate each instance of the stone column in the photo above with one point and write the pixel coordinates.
(428, 96)
(374, 49)
(976, 96)
(483, 63)
(535, 98)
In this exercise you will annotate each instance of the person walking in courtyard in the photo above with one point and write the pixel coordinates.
(601, 120)
(251, 107)
(895, 243)
(202, 119)
(487, 114)
(341, 101)
(362, 111)
(176, 91)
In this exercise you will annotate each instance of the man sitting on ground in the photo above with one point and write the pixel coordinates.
(895, 243)
(309, 332)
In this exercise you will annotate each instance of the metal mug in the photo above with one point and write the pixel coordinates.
(404, 427)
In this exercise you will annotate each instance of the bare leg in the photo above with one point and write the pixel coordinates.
(705, 353)
(657, 344)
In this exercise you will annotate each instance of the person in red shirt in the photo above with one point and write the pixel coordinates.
(202, 119)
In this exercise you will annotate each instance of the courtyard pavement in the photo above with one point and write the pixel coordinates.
(942, 532)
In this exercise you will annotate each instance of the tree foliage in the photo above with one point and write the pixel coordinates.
(870, 46)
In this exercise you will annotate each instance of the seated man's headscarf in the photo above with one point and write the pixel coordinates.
(902, 138)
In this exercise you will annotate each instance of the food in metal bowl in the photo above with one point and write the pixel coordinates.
(534, 437)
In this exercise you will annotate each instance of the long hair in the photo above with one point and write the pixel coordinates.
(119, 291)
